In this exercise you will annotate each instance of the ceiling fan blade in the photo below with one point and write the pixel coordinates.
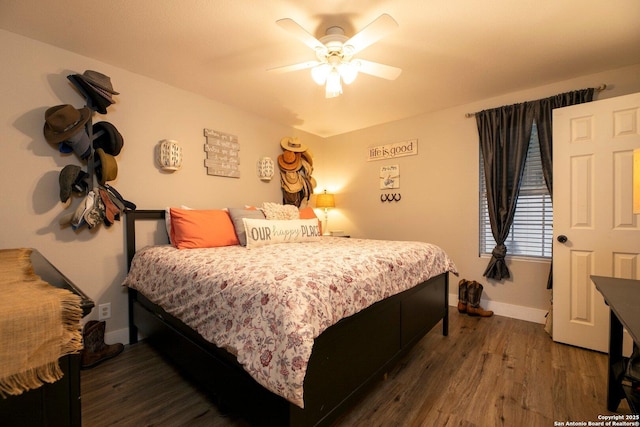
(379, 70)
(294, 67)
(373, 32)
(295, 29)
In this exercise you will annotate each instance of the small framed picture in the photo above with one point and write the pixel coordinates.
(389, 177)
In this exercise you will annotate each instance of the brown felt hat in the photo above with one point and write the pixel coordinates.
(64, 121)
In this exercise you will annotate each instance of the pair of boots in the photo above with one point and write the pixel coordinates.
(95, 350)
(469, 293)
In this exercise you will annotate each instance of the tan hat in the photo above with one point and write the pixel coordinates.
(292, 144)
(308, 156)
(106, 167)
(291, 181)
(289, 161)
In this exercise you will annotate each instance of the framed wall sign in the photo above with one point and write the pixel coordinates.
(389, 177)
(221, 154)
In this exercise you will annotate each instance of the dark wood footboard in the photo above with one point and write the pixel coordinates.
(346, 360)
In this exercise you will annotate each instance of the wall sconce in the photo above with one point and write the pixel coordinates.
(325, 201)
(265, 168)
(169, 155)
(636, 181)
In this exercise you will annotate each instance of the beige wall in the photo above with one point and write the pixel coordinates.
(33, 78)
(438, 186)
(439, 189)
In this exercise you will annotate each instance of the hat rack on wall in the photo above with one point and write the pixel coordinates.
(101, 203)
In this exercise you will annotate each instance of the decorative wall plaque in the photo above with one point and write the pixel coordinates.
(397, 149)
(221, 151)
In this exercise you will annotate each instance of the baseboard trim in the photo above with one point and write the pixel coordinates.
(119, 335)
(513, 311)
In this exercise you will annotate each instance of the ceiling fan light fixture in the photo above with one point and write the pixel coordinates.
(334, 54)
(320, 72)
(334, 87)
(349, 71)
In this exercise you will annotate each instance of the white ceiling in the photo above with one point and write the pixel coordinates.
(452, 52)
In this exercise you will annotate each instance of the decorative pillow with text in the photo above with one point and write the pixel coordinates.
(261, 232)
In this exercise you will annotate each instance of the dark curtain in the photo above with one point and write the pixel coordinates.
(543, 118)
(504, 140)
(504, 134)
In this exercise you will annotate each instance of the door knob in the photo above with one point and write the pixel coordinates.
(562, 238)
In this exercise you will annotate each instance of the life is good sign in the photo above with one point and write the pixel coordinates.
(396, 149)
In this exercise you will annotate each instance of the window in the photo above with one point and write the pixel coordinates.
(532, 228)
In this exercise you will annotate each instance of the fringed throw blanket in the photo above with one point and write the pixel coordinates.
(39, 324)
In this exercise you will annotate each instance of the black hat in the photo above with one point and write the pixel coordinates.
(107, 137)
(94, 99)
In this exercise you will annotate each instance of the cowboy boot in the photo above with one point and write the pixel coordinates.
(462, 296)
(474, 290)
(95, 350)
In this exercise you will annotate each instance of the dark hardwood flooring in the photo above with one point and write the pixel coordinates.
(488, 372)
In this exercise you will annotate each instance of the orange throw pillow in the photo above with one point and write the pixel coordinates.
(191, 228)
(309, 213)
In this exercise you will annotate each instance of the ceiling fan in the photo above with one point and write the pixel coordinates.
(335, 52)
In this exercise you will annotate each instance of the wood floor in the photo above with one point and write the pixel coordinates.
(488, 372)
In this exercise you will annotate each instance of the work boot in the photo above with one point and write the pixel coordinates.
(462, 296)
(474, 292)
(95, 350)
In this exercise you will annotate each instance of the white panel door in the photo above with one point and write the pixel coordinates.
(595, 230)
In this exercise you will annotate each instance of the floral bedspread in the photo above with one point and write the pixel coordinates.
(266, 305)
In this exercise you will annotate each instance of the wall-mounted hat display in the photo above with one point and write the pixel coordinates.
(98, 144)
(296, 167)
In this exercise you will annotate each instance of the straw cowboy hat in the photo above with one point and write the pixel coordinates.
(292, 182)
(289, 161)
(292, 144)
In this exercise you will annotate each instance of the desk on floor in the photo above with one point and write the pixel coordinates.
(623, 298)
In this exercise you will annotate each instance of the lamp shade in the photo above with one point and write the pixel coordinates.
(325, 201)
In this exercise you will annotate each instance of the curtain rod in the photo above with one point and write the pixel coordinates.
(598, 89)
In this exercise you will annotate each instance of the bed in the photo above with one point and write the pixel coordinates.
(353, 342)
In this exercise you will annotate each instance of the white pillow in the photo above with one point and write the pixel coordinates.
(261, 232)
(278, 211)
(167, 219)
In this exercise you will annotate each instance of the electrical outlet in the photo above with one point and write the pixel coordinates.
(104, 311)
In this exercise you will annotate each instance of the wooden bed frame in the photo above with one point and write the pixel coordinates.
(347, 358)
